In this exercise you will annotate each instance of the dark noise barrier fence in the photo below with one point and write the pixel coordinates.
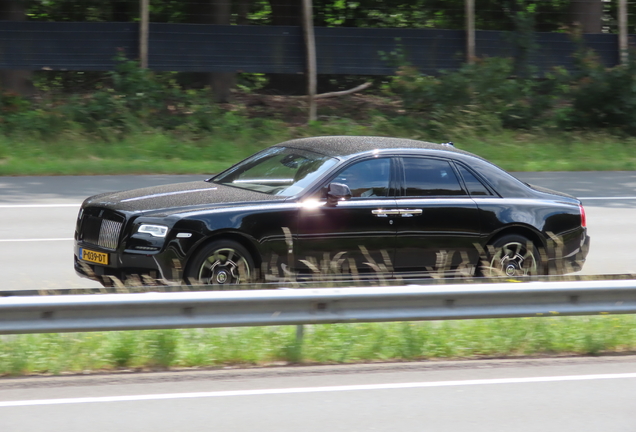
(91, 46)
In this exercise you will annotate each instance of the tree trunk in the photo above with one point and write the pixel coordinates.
(213, 12)
(16, 81)
(588, 14)
(124, 11)
(243, 12)
(287, 13)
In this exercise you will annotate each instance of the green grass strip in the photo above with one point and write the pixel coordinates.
(161, 153)
(322, 344)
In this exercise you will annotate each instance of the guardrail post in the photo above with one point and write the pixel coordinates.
(300, 333)
(297, 355)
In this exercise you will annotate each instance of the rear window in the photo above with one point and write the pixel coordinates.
(430, 177)
(504, 183)
(474, 186)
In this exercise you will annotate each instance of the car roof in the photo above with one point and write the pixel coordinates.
(344, 146)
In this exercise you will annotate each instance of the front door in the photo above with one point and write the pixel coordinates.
(355, 237)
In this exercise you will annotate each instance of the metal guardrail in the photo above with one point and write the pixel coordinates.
(104, 312)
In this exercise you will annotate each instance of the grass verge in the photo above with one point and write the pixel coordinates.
(322, 344)
(156, 152)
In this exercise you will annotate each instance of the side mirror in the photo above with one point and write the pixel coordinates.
(337, 192)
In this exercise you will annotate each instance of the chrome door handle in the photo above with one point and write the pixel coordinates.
(385, 213)
(410, 212)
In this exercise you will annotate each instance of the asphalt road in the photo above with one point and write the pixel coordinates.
(582, 395)
(585, 395)
(37, 217)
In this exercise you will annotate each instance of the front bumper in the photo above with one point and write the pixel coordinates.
(123, 266)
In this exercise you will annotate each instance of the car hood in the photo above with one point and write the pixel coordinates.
(178, 196)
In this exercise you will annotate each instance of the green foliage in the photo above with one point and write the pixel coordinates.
(603, 97)
(162, 345)
(335, 343)
(448, 14)
(138, 98)
(12, 103)
(490, 92)
(122, 347)
(131, 100)
(488, 86)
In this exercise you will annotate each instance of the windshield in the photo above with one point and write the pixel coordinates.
(277, 171)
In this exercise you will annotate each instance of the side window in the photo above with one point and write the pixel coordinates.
(369, 178)
(430, 177)
(475, 187)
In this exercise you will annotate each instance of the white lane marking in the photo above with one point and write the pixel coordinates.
(38, 205)
(35, 240)
(366, 387)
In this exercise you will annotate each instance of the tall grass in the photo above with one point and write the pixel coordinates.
(322, 344)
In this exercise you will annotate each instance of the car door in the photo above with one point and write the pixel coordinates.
(355, 235)
(438, 223)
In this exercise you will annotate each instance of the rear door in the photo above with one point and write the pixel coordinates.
(438, 224)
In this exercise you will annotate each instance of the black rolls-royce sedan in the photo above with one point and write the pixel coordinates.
(345, 206)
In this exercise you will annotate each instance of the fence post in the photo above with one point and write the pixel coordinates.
(310, 51)
(143, 33)
(470, 31)
(623, 42)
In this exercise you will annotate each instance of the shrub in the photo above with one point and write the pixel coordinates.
(603, 97)
(487, 86)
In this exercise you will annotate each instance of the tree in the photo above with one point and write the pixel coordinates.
(213, 12)
(286, 13)
(17, 81)
(588, 14)
(123, 10)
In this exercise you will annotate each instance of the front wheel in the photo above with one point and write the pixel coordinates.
(222, 262)
(512, 255)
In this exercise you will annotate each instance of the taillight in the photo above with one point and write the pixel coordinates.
(583, 218)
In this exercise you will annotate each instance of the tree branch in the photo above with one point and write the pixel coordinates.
(338, 93)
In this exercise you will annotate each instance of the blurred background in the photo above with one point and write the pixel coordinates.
(72, 42)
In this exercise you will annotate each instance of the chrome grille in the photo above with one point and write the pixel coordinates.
(109, 234)
(101, 232)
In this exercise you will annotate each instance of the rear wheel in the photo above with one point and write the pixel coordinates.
(513, 255)
(222, 262)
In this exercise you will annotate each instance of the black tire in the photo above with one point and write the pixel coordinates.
(512, 255)
(221, 262)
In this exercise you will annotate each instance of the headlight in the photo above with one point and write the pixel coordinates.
(153, 230)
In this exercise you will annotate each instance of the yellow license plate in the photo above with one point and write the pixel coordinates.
(92, 256)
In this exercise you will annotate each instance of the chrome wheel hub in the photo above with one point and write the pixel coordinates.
(511, 270)
(221, 277)
(225, 267)
(514, 259)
